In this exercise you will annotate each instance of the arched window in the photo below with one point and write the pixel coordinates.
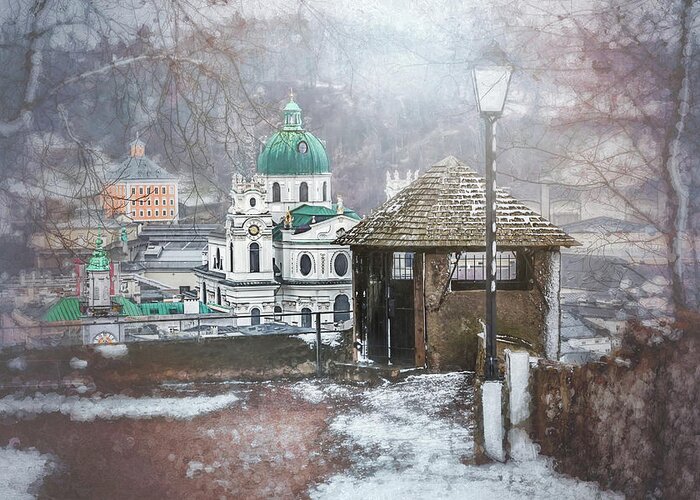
(306, 318)
(203, 296)
(325, 192)
(278, 313)
(254, 258)
(218, 295)
(255, 316)
(303, 192)
(305, 265)
(340, 264)
(230, 257)
(340, 306)
(217, 259)
(276, 193)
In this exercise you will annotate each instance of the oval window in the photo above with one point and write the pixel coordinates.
(305, 265)
(302, 147)
(341, 265)
(253, 202)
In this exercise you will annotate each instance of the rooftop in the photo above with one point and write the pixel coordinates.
(305, 215)
(444, 208)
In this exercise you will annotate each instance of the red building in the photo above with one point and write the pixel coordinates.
(141, 189)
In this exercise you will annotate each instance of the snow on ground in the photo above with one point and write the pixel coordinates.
(316, 391)
(112, 407)
(113, 351)
(20, 470)
(410, 440)
(331, 339)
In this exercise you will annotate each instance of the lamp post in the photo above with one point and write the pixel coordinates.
(491, 88)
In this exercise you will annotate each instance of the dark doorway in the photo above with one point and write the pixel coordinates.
(386, 322)
(401, 313)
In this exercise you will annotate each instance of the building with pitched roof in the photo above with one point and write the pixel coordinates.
(419, 273)
(141, 189)
(275, 254)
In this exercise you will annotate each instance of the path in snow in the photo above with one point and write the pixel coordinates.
(414, 440)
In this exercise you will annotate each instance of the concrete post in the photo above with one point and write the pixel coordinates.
(493, 419)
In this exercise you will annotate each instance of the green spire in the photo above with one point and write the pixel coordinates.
(99, 260)
(292, 115)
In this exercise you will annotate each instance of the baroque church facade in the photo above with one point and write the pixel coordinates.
(274, 252)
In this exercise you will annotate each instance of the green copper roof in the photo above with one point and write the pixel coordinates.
(292, 150)
(163, 308)
(303, 215)
(128, 307)
(66, 309)
(99, 260)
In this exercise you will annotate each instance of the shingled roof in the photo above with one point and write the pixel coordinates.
(444, 208)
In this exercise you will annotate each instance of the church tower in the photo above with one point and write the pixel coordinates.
(99, 302)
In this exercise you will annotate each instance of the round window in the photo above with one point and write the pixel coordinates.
(305, 265)
(341, 265)
(302, 147)
(253, 202)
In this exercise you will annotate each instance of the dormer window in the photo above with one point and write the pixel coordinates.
(302, 147)
(253, 202)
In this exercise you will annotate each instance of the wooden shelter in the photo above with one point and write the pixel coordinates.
(418, 272)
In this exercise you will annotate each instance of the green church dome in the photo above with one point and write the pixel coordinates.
(292, 150)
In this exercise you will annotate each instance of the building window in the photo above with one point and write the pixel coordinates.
(133, 190)
(278, 314)
(325, 192)
(402, 268)
(340, 264)
(303, 192)
(253, 202)
(511, 271)
(306, 317)
(162, 189)
(254, 258)
(156, 213)
(305, 265)
(172, 212)
(276, 192)
(149, 213)
(230, 255)
(217, 259)
(156, 190)
(156, 201)
(302, 147)
(141, 190)
(148, 202)
(218, 295)
(141, 213)
(148, 190)
(133, 202)
(255, 316)
(172, 201)
(203, 295)
(141, 202)
(172, 189)
(341, 308)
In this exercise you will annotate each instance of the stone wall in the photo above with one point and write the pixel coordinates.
(149, 363)
(454, 323)
(631, 422)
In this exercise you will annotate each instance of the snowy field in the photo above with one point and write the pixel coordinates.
(283, 439)
(406, 442)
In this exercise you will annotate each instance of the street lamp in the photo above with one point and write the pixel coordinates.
(491, 82)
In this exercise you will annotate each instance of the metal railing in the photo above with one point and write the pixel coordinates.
(177, 327)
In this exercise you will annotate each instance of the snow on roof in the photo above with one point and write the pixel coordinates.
(444, 208)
